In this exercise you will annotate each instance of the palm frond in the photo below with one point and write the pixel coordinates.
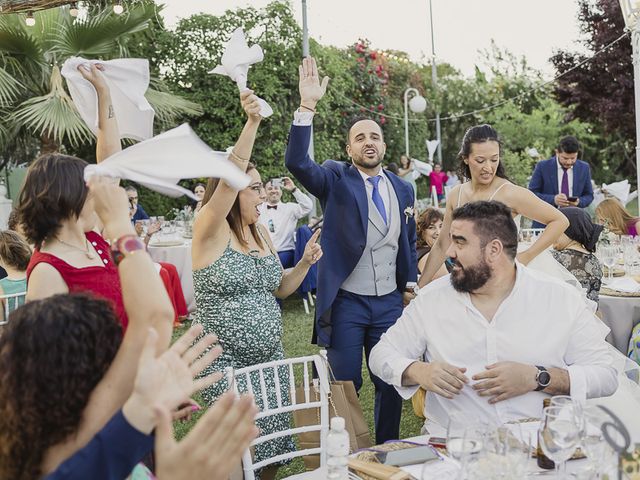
(98, 35)
(53, 115)
(9, 87)
(170, 107)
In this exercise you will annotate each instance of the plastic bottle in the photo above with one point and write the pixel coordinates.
(337, 450)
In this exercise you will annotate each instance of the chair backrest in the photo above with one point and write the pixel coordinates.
(284, 372)
(10, 302)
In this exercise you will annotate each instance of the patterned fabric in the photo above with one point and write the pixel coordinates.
(234, 299)
(585, 267)
(634, 344)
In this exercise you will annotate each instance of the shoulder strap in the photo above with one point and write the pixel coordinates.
(264, 239)
(497, 190)
(460, 195)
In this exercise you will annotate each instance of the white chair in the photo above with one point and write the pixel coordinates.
(309, 400)
(10, 302)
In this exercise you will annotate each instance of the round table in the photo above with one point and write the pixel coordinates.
(620, 314)
(180, 256)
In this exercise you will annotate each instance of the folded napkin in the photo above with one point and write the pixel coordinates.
(236, 60)
(128, 80)
(624, 284)
(159, 163)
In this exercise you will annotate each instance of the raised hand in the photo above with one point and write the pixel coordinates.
(93, 73)
(311, 89)
(313, 250)
(250, 104)
(288, 184)
(213, 448)
(112, 206)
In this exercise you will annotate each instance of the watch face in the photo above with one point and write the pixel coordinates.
(131, 243)
(544, 378)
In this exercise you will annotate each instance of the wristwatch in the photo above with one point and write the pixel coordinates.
(543, 378)
(125, 246)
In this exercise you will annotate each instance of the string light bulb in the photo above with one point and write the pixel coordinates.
(118, 8)
(30, 21)
(73, 9)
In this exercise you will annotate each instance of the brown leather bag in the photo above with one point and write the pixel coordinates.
(343, 402)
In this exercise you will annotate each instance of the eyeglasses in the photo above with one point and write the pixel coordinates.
(133, 198)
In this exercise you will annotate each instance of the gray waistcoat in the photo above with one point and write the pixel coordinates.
(375, 273)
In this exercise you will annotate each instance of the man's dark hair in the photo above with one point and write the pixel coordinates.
(569, 144)
(491, 221)
(355, 120)
(53, 191)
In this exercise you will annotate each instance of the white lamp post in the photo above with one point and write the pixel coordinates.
(631, 14)
(417, 104)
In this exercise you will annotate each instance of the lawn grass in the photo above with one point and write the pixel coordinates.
(297, 327)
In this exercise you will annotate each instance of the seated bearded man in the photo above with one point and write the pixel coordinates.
(494, 338)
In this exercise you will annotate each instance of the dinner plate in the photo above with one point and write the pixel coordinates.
(167, 243)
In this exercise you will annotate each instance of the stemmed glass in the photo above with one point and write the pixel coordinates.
(608, 256)
(593, 441)
(559, 434)
(465, 439)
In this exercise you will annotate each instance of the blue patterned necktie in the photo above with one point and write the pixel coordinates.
(377, 199)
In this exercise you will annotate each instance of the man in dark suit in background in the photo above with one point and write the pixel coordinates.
(369, 244)
(563, 180)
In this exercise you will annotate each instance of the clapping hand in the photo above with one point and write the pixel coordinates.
(250, 104)
(311, 90)
(313, 250)
(504, 380)
(213, 448)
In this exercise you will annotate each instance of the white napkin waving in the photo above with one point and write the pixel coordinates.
(236, 60)
(620, 190)
(159, 163)
(128, 80)
(421, 167)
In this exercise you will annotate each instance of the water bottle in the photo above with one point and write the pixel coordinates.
(337, 450)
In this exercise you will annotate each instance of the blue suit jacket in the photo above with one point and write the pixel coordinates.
(544, 182)
(342, 194)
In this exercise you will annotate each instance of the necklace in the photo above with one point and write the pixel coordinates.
(86, 250)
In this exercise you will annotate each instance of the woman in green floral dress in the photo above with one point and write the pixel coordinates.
(237, 276)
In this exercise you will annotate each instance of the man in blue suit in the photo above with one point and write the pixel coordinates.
(369, 244)
(563, 180)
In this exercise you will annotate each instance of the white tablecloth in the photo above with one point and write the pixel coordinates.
(620, 314)
(180, 256)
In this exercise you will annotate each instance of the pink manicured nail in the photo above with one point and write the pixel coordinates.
(195, 408)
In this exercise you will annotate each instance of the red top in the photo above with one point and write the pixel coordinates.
(437, 180)
(102, 281)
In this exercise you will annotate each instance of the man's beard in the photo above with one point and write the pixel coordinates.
(364, 162)
(471, 278)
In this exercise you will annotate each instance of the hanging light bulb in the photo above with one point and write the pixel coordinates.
(30, 21)
(73, 9)
(117, 7)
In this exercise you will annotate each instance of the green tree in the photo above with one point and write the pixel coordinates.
(38, 112)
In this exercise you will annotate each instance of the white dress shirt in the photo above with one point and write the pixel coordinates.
(569, 175)
(282, 220)
(541, 322)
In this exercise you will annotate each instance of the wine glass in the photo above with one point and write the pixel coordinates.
(465, 438)
(593, 441)
(608, 256)
(559, 434)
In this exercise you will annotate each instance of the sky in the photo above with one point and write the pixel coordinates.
(530, 28)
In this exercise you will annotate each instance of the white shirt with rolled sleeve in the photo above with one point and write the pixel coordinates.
(281, 221)
(542, 322)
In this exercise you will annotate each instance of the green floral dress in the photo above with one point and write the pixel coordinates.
(235, 301)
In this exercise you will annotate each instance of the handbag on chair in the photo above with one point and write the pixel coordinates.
(344, 403)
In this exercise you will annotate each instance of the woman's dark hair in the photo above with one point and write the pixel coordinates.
(581, 229)
(393, 168)
(425, 220)
(53, 353)
(53, 191)
(491, 220)
(478, 134)
(14, 251)
(233, 217)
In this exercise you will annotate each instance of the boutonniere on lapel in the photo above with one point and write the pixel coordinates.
(408, 212)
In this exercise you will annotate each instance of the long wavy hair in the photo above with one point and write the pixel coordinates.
(425, 220)
(53, 353)
(616, 216)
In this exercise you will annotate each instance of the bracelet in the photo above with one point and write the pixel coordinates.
(237, 157)
(307, 108)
